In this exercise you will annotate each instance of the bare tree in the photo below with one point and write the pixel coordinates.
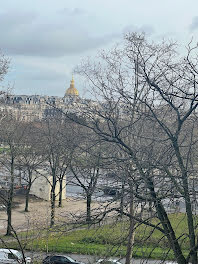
(147, 106)
(59, 144)
(4, 66)
(70, 141)
(30, 158)
(86, 166)
(11, 136)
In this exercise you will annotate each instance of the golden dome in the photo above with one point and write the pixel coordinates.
(72, 90)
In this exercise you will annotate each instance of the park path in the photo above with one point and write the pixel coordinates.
(39, 213)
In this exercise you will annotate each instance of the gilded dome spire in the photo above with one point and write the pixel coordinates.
(72, 81)
(72, 90)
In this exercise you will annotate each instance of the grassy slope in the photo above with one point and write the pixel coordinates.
(111, 240)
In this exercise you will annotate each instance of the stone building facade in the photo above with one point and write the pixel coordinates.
(29, 108)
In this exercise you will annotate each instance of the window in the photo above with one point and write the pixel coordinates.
(64, 260)
(12, 256)
(70, 260)
(55, 259)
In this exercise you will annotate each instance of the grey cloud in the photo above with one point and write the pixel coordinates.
(42, 88)
(55, 43)
(25, 36)
(194, 24)
(44, 75)
(12, 19)
(148, 29)
(72, 12)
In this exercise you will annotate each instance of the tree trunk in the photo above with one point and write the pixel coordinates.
(27, 197)
(9, 214)
(169, 232)
(122, 199)
(10, 199)
(53, 198)
(188, 204)
(131, 229)
(88, 217)
(52, 208)
(60, 192)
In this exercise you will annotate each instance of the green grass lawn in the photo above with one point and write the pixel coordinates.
(4, 149)
(109, 240)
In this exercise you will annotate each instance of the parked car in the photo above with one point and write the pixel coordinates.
(12, 256)
(108, 261)
(110, 191)
(59, 259)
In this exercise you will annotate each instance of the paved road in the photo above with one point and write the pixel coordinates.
(90, 259)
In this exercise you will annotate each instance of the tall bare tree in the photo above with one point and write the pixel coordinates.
(30, 158)
(147, 101)
(59, 144)
(11, 136)
(86, 166)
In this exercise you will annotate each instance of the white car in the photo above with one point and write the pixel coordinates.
(108, 261)
(12, 256)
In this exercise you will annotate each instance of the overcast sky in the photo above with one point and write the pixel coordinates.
(46, 39)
